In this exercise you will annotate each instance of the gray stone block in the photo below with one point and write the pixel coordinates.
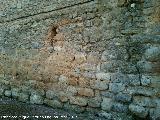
(24, 97)
(78, 101)
(50, 94)
(15, 92)
(103, 76)
(116, 87)
(107, 94)
(146, 80)
(106, 115)
(118, 107)
(134, 79)
(123, 97)
(138, 110)
(119, 78)
(111, 66)
(107, 104)
(154, 113)
(1, 92)
(98, 84)
(94, 102)
(153, 54)
(144, 101)
(139, 90)
(36, 99)
(8, 93)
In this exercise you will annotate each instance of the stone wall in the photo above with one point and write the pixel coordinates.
(84, 55)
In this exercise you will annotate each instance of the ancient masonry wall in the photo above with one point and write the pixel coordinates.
(84, 55)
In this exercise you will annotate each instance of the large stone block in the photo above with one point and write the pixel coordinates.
(98, 84)
(122, 3)
(155, 113)
(24, 97)
(139, 90)
(36, 99)
(116, 53)
(80, 57)
(8, 93)
(155, 81)
(138, 110)
(153, 54)
(106, 115)
(15, 92)
(118, 107)
(146, 80)
(144, 101)
(78, 101)
(107, 104)
(94, 102)
(84, 82)
(123, 97)
(119, 78)
(87, 67)
(71, 91)
(107, 93)
(116, 87)
(89, 74)
(37, 96)
(86, 92)
(1, 92)
(63, 97)
(146, 38)
(50, 94)
(134, 79)
(73, 81)
(103, 76)
(111, 66)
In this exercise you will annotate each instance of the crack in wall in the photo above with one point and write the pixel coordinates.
(25, 17)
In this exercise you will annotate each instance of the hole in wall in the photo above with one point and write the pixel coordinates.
(51, 34)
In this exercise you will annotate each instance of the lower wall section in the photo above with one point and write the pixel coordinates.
(116, 97)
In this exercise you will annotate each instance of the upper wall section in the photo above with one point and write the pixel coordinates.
(17, 9)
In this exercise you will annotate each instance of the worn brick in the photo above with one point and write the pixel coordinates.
(86, 92)
(78, 101)
(98, 84)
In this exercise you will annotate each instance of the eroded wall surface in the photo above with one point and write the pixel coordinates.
(82, 54)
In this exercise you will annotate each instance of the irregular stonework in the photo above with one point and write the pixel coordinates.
(83, 55)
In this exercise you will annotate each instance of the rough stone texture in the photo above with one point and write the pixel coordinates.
(94, 102)
(24, 97)
(78, 101)
(138, 110)
(118, 107)
(8, 93)
(88, 53)
(116, 87)
(86, 92)
(15, 92)
(123, 97)
(144, 101)
(50, 94)
(100, 85)
(106, 104)
(36, 97)
(53, 103)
